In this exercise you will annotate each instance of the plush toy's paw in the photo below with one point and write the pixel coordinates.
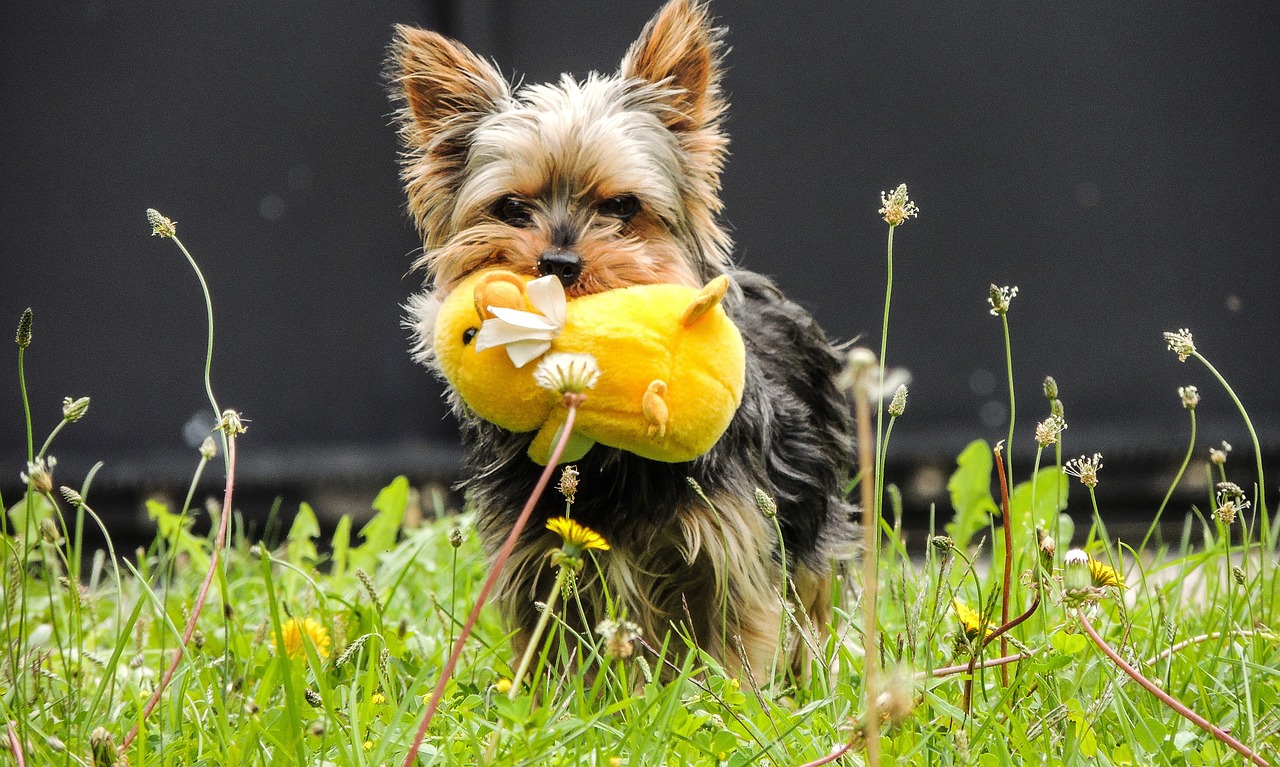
(707, 299)
(654, 408)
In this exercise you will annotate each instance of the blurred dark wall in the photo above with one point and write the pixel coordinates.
(1120, 164)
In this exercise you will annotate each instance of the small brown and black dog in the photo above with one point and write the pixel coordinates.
(607, 182)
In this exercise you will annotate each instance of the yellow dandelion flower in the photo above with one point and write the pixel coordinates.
(1105, 575)
(368, 745)
(974, 624)
(378, 699)
(578, 537)
(503, 686)
(293, 630)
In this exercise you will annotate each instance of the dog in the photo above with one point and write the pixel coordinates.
(607, 182)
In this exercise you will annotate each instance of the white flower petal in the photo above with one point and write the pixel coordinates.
(547, 296)
(524, 352)
(523, 319)
(497, 332)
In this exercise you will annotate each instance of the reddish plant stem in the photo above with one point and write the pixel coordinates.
(15, 746)
(1007, 587)
(870, 573)
(1166, 698)
(218, 542)
(507, 547)
(968, 668)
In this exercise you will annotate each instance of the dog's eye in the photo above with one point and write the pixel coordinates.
(468, 335)
(513, 211)
(623, 207)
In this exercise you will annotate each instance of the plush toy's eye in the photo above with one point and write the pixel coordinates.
(513, 211)
(468, 334)
(623, 207)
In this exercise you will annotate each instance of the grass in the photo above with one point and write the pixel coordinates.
(293, 656)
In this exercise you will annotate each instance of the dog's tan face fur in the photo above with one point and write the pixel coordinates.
(622, 169)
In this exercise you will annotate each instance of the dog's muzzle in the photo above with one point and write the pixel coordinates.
(564, 264)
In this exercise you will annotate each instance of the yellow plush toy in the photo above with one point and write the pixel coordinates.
(671, 362)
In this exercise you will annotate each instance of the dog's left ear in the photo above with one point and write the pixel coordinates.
(680, 49)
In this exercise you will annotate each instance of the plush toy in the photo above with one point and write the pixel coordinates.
(671, 362)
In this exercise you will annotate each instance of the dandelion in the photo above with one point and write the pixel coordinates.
(1103, 575)
(368, 745)
(1047, 431)
(208, 448)
(378, 699)
(1077, 575)
(577, 538)
(39, 474)
(1217, 456)
(899, 402)
(1047, 545)
(293, 631)
(502, 686)
(565, 373)
(619, 637)
(1181, 344)
(1190, 396)
(1000, 298)
(974, 625)
(1086, 469)
(896, 207)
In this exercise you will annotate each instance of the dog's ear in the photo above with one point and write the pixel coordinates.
(444, 91)
(439, 79)
(680, 49)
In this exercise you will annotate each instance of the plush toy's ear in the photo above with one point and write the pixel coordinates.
(707, 299)
(501, 289)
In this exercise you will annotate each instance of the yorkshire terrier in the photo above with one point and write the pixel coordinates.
(607, 182)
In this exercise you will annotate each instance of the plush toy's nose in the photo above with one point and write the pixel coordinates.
(564, 264)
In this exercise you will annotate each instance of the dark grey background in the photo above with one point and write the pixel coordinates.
(1118, 162)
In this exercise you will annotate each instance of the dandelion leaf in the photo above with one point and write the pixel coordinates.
(300, 547)
(970, 489)
(175, 531)
(381, 532)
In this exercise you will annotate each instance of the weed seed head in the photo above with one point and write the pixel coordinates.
(73, 497)
(569, 483)
(943, 544)
(39, 474)
(1050, 388)
(103, 748)
(455, 537)
(161, 226)
(24, 329)
(1218, 457)
(232, 423)
(74, 409)
(768, 507)
(1190, 396)
(1000, 298)
(1237, 574)
(619, 637)
(209, 448)
(1230, 503)
(1085, 469)
(1047, 431)
(1181, 344)
(896, 207)
(899, 402)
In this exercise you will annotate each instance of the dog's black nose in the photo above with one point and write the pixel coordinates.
(564, 264)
